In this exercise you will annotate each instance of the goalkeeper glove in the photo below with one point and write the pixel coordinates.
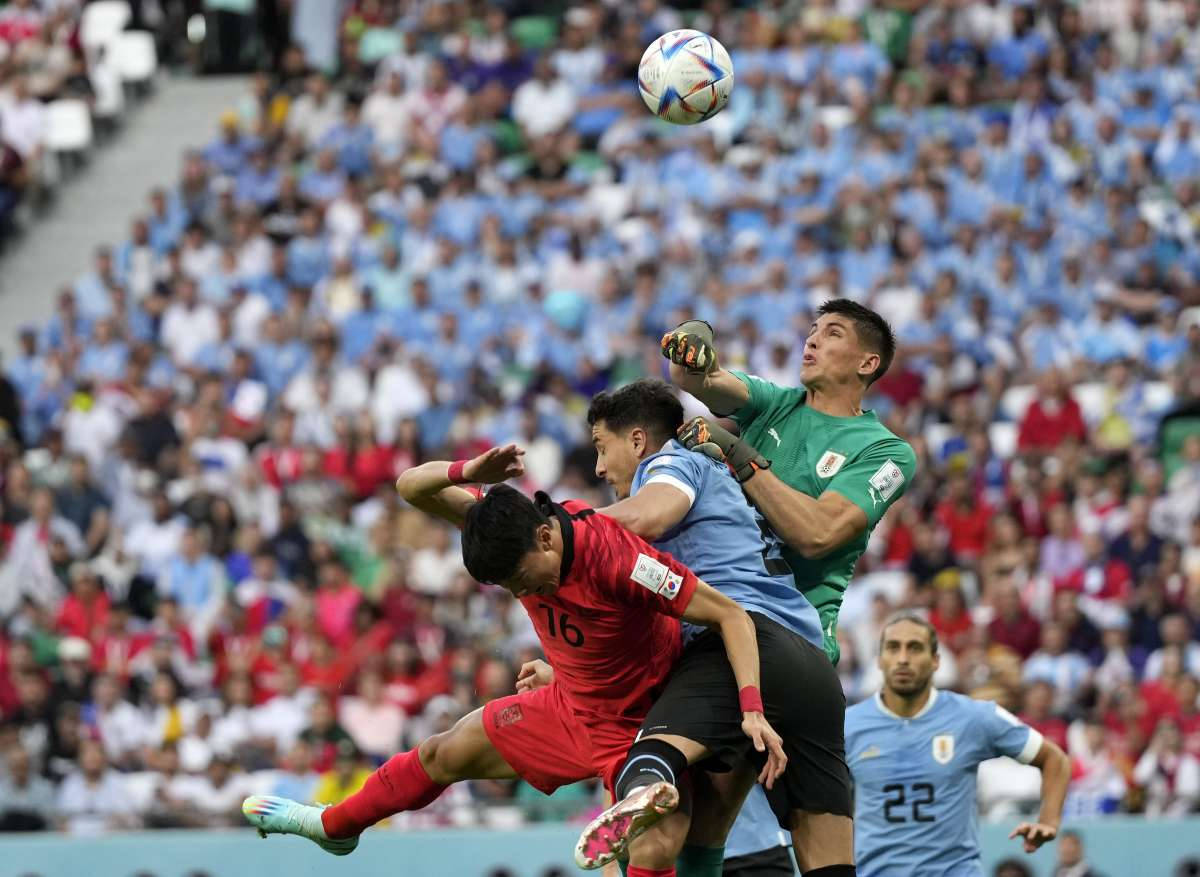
(690, 344)
(702, 435)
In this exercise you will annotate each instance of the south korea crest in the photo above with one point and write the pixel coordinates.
(829, 464)
(943, 748)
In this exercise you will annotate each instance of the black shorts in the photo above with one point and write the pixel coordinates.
(804, 703)
(775, 862)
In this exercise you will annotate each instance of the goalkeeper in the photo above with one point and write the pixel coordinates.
(819, 469)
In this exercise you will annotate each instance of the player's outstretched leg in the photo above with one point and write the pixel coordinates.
(408, 781)
(646, 791)
(274, 815)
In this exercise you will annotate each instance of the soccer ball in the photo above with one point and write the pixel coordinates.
(685, 77)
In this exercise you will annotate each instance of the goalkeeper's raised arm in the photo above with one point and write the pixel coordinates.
(696, 369)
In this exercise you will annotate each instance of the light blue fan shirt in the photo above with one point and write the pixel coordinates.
(915, 813)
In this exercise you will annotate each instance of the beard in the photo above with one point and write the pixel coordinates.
(910, 686)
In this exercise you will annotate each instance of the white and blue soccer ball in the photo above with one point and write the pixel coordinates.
(685, 77)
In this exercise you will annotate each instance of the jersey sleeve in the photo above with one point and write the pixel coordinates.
(1006, 734)
(640, 575)
(763, 397)
(877, 478)
(679, 470)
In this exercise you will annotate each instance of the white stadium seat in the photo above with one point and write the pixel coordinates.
(1093, 400)
(936, 435)
(135, 55)
(101, 21)
(1015, 400)
(1003, 436)
(1159, 395)
(68, 126)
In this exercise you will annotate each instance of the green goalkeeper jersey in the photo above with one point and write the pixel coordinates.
(811, 452)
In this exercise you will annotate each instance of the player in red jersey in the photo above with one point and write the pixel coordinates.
(587, 584)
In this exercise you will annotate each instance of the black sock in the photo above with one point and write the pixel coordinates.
(650, 761)
(833, 871)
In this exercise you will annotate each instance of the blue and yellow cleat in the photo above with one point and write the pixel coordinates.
(272, 815)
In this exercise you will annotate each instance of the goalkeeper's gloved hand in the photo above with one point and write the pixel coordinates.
(690, 344)
(703, 436)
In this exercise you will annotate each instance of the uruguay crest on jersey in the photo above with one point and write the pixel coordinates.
(829, 464)
(943, 748)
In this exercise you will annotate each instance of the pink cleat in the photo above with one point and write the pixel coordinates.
(607, 837)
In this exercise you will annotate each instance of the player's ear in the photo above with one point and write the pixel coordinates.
(637, 438)
(544, 538)
(868, 364)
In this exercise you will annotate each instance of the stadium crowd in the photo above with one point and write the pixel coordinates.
(209, 585)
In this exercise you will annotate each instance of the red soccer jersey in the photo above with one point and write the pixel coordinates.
(611, 630)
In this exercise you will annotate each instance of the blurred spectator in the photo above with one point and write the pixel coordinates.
(28, 570)
(1174, 635)
(214, 798)
(1065, 671)
(27, 800)
(118, 723)
(1097, 783)
(345, 777)
(92, 799)
(1013, 626)
(544, 104)
(1071, 859)
(1052, 418)
(1170, 776)
(194, 580)
(1038, 713)
(375, 724)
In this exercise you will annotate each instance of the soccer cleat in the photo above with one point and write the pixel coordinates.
(272, 815)
(607, 837)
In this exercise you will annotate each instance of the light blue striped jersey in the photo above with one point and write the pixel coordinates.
(726, 544)
(721, 541)
(915, 813)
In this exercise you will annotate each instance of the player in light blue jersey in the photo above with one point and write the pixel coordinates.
(720, 533)
(692, 507)
(914, 752)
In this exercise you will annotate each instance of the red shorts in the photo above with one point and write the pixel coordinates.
(542, 738)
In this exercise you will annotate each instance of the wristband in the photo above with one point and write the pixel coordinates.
(750, 699)
(455, 472)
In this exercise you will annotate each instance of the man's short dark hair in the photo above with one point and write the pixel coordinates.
(872, 330)
(648, 403)
(1011, 868)
(916, 619)
(498, 532)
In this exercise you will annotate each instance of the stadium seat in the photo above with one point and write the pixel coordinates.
(68, 126)
(110, 93)
(1159, 395)
(101, 21)
(1015, 400)
(936, 435)
(535, 32)
(1003, 436)
(834, 118)
(1093, 400)
(135, 55)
